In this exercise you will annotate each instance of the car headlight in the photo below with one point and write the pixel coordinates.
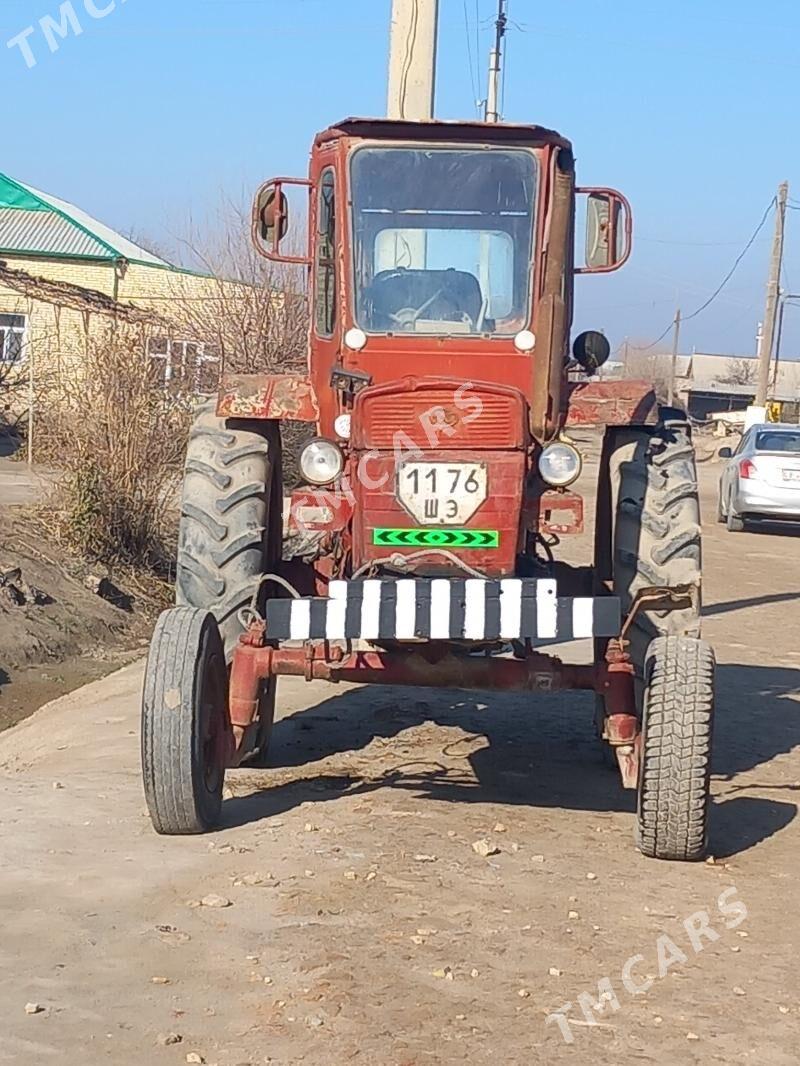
(321, 462)
(560, 464)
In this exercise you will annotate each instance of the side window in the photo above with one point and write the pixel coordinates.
(12, 338)
(325, 284)
(744, 443)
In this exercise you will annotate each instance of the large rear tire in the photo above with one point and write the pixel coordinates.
(231, 531)
(655, 529)
(675, 765)
(231, 523)
(185, 731)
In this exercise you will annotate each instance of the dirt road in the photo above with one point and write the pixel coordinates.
(362, 924)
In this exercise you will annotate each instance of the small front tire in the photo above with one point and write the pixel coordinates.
(675, 767)
(186, 737)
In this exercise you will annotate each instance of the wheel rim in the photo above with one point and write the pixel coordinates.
(214, 734)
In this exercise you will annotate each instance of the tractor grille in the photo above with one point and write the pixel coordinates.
(500, 421)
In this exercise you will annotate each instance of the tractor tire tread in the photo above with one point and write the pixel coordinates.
(225, 517)
(676, 749)
(657, 529)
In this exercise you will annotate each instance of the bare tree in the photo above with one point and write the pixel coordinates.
(740, 372)
(254, 312)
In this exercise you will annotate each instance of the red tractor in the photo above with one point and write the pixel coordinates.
(441, 265)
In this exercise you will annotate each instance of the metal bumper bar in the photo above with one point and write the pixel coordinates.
(471, 609)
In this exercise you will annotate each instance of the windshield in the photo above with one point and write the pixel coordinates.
(443, 239)
(778, 441)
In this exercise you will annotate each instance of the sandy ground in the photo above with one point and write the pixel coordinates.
(19, 483)
(363, 926)
(63, 634)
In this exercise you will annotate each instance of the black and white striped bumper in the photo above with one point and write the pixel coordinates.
(469, 609)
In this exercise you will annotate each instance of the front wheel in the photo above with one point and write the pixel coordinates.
(675, 768)
(186, 737)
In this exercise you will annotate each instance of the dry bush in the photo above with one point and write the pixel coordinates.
(120, 440)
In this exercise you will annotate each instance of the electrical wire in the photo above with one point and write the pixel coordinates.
(737, 261)
(505, 62)
(472, 65)
(409, 58)
(725, 280)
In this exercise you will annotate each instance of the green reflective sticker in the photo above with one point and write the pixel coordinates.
(436, 538)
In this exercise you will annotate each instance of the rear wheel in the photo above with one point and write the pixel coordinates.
(231, 526)
(720, 513)
(655, 525)
(676, 740)
(185, 731)
(734, 522)
(231, 529)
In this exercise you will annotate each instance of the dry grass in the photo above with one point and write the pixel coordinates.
(120, 442)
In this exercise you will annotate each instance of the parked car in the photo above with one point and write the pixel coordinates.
(761, 478)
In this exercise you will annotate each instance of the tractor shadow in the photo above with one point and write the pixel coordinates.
(517, 750)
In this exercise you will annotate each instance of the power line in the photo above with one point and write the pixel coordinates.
(505, 63)
(470, 57)
(726, 279)
(737, 261)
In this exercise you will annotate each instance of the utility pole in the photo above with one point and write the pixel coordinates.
(673, 368)
(773, 296)
(496, 64)
(412, 60)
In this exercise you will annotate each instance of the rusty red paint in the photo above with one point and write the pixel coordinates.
(610, 403)
(378, 506)
(267, 396)
(439, 412)
(560, 512)
(319, 509)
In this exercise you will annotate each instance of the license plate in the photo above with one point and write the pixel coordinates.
(442, 494)
(791, 475)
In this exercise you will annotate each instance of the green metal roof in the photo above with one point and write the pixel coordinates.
(36, 224)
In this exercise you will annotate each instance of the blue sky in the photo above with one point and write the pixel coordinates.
(689, 108)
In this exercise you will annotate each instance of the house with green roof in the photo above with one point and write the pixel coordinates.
(66, 279)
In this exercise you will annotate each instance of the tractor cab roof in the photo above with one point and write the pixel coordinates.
(458, 132)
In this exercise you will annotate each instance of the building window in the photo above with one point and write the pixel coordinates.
(187, 366)
(325, 296)
(12, 338)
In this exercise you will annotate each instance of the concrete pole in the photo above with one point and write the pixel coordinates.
(673, 366)
(773, 294)
(412, 60)
(495, 65)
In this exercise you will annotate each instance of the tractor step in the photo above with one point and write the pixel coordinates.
(471, 609)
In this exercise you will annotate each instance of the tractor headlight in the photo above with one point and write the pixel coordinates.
(321, 462)
(560, 465)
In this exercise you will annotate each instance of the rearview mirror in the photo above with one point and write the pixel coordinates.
(271, 219)
(591, 349)
(271, 215)
(609, 231)
(726, 453)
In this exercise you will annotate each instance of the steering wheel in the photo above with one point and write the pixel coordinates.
(407, 316)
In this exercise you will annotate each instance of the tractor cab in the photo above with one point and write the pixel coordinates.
(432, 250)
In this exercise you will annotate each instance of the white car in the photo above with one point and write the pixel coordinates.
(761, 478)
